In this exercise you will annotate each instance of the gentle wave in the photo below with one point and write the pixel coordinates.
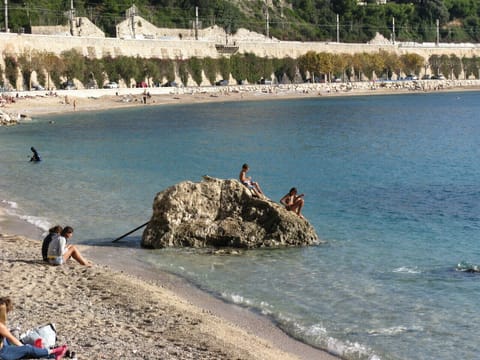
(264, 307)
(315, 335)
(11, 204)
(395, 330)
(39, 222)
(407, 270)
(12, 209)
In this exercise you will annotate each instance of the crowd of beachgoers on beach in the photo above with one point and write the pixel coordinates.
(18, 106)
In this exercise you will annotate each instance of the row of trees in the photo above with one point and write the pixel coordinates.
(52, 70)
(387, 65)
(315, 20)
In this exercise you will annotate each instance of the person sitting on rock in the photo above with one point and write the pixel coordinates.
(59, 252)
(12, 349)
(293, 202)
(249, 183)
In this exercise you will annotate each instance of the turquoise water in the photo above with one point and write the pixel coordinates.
(391, 184)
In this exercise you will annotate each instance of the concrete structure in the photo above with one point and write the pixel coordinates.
(98, 47)
(138, 37)
(81, 26)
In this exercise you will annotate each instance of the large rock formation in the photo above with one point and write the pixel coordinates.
(222, 213)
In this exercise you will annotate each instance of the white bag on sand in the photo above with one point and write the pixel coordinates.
(48, 334)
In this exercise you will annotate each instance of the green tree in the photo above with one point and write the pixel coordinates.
(345, 7)
(433, 10)
(392, 63)
(456, 65)
(194, 66)
(461, 8)
(367, 65)
(470, 66)
(266, 67)
(309, 63)
(26, 62)
(290, 67)
(74, 64)
(152, 70)
(357, 66)
(412, 63)
(94, 73)
(54, 67)
(224, 67)
(284, 69)
(340, 65)
(210, 68)
(183, 71)
(435, 63)
(167, 69)
(377, 63)
(445, 66)
(110, 70)
(472, 27)
(11, 72)
(128, 68)
(228, 16)
(238, 68)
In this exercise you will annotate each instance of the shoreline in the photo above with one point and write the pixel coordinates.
(30, 104)
(83, 296)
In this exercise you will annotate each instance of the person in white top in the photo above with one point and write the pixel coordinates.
(59, 252)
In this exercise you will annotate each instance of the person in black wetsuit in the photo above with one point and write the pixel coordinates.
(35, 157)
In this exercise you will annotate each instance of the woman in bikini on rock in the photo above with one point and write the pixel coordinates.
(293, 202)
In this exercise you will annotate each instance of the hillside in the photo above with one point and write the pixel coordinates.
(313, 20)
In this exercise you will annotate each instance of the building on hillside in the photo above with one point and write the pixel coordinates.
(80, 26)
(136, 27)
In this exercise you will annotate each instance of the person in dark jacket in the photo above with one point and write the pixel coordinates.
(54, 231)
(35, 157)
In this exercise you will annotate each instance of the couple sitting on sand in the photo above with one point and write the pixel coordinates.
(12, 349)
(55, 250)
(291, 201)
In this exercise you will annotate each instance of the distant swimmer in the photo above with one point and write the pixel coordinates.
(35, 157)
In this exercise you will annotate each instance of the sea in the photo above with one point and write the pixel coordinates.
(391, 184)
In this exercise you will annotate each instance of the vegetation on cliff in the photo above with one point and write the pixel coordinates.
(415, 20)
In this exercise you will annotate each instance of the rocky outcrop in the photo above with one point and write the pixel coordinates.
(7, 119)
(222, 213)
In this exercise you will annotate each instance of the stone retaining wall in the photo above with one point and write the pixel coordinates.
(99, 47)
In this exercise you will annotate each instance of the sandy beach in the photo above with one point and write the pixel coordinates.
(29, 104)
(103, 313)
